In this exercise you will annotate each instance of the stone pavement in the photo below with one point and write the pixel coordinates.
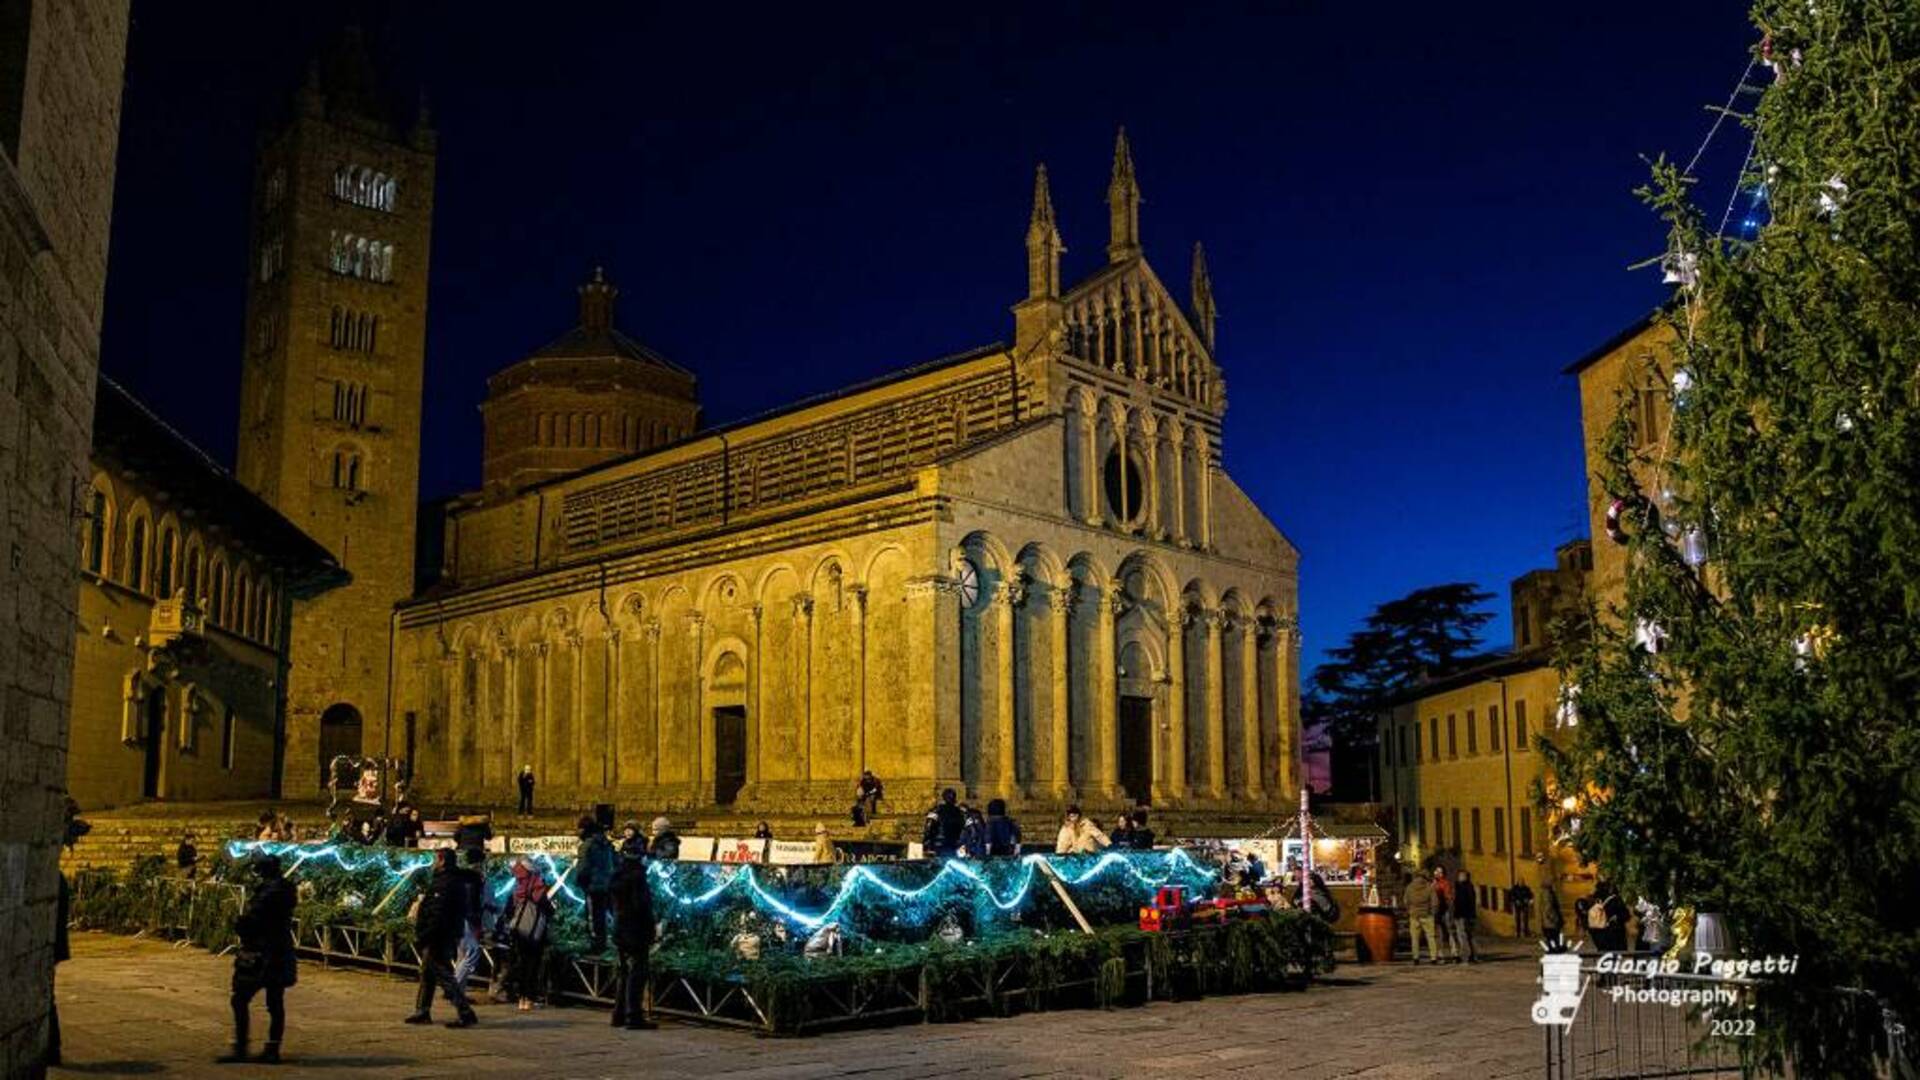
(136, 1008)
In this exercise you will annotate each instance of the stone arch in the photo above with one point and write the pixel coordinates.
(723, 589)
(136, 561)
(97, 530)
(1043, 566)
(873, 559)
(763, 585)
(988, 717)
(1149, 580)
(167, 549)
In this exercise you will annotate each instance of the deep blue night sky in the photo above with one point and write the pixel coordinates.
(1415, 218)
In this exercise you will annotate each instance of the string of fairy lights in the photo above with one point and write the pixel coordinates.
(1174, 866)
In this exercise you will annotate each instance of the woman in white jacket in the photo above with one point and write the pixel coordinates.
(1079, 836)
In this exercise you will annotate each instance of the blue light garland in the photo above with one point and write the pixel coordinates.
(953, 872)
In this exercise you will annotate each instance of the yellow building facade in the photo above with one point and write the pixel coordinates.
(1460, 756)
(187, 582)
(1020, 571)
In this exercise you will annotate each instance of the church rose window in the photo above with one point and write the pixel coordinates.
(1126, 487)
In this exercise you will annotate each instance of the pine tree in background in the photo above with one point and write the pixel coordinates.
(1746, 732)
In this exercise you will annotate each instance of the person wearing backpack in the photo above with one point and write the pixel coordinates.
(528, 916)
(596, 880)
(1607, 919)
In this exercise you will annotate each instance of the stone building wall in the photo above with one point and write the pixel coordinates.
(60, 108)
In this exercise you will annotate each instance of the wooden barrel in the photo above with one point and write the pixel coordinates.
(1375, 932)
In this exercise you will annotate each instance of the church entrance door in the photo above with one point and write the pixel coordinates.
(339, 734)
(1136, 748)
(154, 731)
(729, 752)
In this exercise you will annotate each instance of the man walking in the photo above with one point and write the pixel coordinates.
(1420, 925)
(632, 897)
(436, 933)
(478, 904)
(264, 960)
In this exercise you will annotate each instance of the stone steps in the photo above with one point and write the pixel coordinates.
(121, 836)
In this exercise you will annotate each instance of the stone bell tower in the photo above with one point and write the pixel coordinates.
(331, 383)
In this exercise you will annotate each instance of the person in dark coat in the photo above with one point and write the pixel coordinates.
(665, 843)
(264, 960)
(1142, 839)
(526, 789)
(945, 822)
(437, 929)
(1003, 833)
(596, 879)
(632, 898)
(473, 832)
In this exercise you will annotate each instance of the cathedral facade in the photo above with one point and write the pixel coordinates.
(1019, 571)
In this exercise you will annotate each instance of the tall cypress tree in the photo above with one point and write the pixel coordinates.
(1747, 735)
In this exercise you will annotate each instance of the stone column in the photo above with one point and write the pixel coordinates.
(542, 676)
(1216, 713)
(450, 679)
(1150, 476)
(510, 674)
(1286, 673)
(1203, 453)
(756, 696)
(1059, 613)
(1177, 469)
(933, 660)
(803, 614)
(1089, 460)
(1177, 703)
(1249, 661)
(653, 696)
(702, 717)
(615, 698)
(1106, 708)
(577, 706)
(860, 679)
(1006, 774)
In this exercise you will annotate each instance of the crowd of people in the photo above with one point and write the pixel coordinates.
(956, 829)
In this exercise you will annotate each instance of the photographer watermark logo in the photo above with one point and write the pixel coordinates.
(1561, 989)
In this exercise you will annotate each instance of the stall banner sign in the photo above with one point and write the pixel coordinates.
(434, 843)
(565, 846)
(696, 848)
(730, 849)
(790, 852)
(439, 828)
(916, 850)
